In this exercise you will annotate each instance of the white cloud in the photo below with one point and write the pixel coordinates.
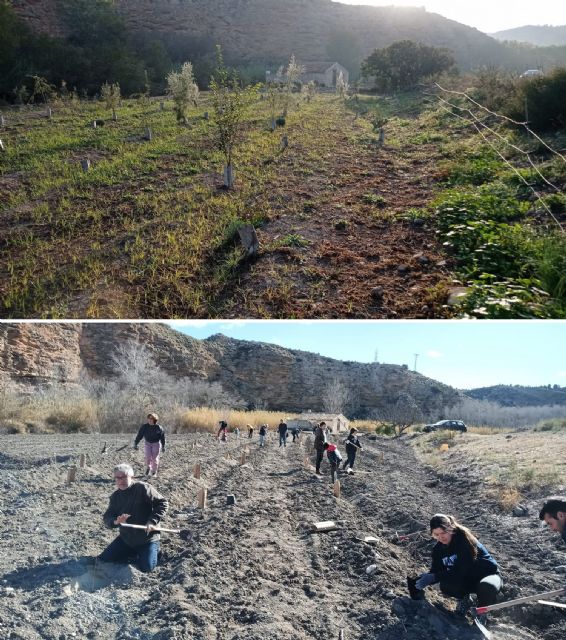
(434, 354)
(561, 374)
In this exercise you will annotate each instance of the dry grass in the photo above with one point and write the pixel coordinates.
(206, 419)
(512, 465)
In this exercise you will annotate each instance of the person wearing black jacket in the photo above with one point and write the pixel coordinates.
(134, 503)
(282, 428)
(461, 564)
(353, 445)
(553, 512)
(154, 436)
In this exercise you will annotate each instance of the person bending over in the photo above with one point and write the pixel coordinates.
(461, 564)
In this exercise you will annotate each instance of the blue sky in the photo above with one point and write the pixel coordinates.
(486, 15)
(464, 354)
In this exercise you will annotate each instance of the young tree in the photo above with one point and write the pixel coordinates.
(229, 103)
(341, 85)
(292, 74)
(181, 86)
(110, 93)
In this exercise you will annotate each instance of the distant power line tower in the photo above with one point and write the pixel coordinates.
(376, 356)
(416, 357)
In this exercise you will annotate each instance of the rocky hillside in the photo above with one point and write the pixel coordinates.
(43, 355)
(266, 30)
(518, 396)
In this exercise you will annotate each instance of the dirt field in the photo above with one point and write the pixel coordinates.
(253, 570)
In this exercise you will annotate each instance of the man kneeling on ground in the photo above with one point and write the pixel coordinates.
(134, 503)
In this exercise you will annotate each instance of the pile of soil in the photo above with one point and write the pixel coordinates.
(255, 569)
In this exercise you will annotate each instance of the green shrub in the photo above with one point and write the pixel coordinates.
(545, 98)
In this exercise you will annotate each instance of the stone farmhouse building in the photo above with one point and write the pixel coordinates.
(336, 422)
(324, 74)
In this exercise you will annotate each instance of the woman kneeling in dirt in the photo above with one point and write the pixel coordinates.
(461, 564)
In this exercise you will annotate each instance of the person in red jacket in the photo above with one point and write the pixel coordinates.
(154, 436)
(334, 458)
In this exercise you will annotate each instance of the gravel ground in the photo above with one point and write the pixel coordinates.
(253, 570)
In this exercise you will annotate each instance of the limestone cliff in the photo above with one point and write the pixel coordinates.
(34, 356)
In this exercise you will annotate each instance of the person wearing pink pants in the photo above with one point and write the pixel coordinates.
(154, 435)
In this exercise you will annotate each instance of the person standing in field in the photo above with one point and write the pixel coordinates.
(353, 445)
(262, 435)
(320, 439)
(134, 503)
(282, 428)
(154, 435)
(250, 431)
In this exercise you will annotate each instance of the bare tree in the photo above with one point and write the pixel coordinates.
(403, 413)
(336, 396)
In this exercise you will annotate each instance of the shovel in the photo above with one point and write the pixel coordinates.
(184, 534)
(478, 611)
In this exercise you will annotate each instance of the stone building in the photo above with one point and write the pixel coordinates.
(336, 422)
(325, 74)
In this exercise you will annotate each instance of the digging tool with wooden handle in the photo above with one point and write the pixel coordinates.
(154, 528)
(184, 534)
(478, 611)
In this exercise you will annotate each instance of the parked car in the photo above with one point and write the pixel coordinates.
(452, 425)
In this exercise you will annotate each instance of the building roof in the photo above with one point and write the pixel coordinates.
(308, 415)
(318, 67)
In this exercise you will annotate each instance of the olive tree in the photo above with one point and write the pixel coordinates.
(110, 93)
(183, 89)
(230, 101)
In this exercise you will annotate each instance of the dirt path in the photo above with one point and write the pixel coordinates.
(253, 570)
(341, 244)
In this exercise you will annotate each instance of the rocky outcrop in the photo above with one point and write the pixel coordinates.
(266, 30)
(40, 355)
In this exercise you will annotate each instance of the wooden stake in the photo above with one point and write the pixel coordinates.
(307, 462)
(336, 488)
(202, 496)
(82, 461)
(196, 471)
(71, 474)
(243, 458)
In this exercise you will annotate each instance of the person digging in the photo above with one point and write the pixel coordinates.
(461, 565)
(553, 512)
(139, 504)
(154, 436)
(334, 458)
(353, 445)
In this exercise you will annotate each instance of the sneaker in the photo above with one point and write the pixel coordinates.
(147, 471)
(463, 606)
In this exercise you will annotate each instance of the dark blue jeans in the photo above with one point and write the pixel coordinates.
(351, 459)
(119, 551)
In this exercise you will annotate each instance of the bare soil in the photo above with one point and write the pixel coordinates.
(253, 570)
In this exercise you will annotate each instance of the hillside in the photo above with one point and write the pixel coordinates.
(36, 356)
(519, 396)
(538, 35)
(270, 30)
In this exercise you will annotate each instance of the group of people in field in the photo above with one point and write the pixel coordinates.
(460, 564)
